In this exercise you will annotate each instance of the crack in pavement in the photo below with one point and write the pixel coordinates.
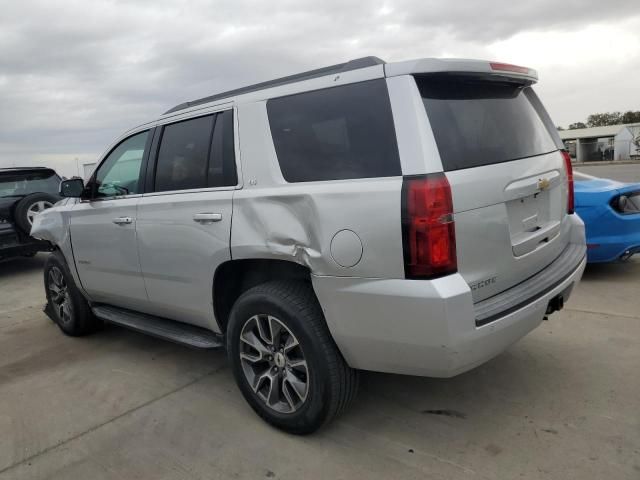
(598, 312)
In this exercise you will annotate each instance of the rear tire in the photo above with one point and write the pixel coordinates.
(69, 309)
(291, 320)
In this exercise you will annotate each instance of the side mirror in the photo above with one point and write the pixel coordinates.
(73, 188)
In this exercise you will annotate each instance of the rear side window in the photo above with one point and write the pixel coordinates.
(196, 153)
(481, 122)
(222, 164)
(336, 133)
(183, 155)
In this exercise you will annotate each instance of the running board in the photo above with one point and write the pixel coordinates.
(171, 330)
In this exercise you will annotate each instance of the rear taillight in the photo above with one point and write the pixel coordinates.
(570, 195)
(428, 229)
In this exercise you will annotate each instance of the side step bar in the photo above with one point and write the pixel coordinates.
(171, 330)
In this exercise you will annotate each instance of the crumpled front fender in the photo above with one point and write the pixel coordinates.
(52, 225)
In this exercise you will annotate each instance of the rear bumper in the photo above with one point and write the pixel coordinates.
(545, 281)
(427, 328)
(8, 235)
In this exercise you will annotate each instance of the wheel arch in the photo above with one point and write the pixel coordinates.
(234, 277)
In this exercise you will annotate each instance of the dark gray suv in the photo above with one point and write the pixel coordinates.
(24, 192)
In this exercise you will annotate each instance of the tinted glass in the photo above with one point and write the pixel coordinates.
(183, 155)
(222, 164)
(119, 174)
(337, 133)
(479, 122)
(20, 184)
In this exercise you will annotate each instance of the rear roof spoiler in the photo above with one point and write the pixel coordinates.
(446, 65)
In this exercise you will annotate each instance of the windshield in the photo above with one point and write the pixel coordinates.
(21, 184)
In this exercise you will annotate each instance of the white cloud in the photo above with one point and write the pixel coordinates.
(75, 74)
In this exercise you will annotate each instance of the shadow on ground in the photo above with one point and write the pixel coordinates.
(12, 266)
(629, 270)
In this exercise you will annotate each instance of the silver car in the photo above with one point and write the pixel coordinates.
(413, 217)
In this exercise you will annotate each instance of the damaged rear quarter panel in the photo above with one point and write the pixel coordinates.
(297, 221)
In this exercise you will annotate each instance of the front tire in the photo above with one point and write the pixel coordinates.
(69, 309)
(284, 360)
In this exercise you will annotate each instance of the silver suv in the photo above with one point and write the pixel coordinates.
(412, 217)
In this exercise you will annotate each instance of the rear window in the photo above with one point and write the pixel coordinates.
(21, 184)
(480, 122)
(336, 133)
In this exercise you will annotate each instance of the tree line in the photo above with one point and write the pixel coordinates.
(605, 119)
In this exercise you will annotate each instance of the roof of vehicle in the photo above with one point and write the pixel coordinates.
(25, 169)
(319, 72)
(423, 65)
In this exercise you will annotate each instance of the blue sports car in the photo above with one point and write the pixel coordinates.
(611, 213)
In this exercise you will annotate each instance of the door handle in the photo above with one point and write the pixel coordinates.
(207, 217)
(123, 220)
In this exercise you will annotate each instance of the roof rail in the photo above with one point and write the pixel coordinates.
(320, 72)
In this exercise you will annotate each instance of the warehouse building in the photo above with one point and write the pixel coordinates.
(613, 142)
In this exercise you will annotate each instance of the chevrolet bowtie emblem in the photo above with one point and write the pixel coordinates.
(543, 184)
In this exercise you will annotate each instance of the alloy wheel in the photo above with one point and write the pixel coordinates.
(273, 363)
(59, 295)
(37, 208)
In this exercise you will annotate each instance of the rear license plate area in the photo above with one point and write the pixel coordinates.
(528, 214)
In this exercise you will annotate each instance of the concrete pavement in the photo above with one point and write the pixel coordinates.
(562, 403)
(629, 172)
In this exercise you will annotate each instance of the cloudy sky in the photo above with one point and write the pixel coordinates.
(75, 74)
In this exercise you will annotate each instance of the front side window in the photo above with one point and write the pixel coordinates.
(337, 133)
(119, 174)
